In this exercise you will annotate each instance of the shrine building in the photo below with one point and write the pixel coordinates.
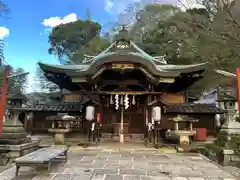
(123, 83)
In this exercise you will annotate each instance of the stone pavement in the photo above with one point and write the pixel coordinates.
(126, 165)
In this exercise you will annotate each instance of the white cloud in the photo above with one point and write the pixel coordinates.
(189, 4)
(4, 32)
(117, 6)
(56, 21)
(108, 5)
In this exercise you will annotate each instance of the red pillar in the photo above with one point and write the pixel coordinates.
(3, 95)
(238, 88)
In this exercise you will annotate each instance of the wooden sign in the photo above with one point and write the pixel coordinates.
(122, 66)
(78, 80)
(166, 80)
(172, 98)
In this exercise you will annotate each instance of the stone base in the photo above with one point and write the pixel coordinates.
(59, 138)
(14, 141)
(228, 140)
(230, 157)
(15, 151)
(184, 141)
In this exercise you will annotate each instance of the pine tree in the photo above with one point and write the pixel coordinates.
(88, 14)
(42, 84)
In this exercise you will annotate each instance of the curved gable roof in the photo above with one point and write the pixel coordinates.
(132, 54)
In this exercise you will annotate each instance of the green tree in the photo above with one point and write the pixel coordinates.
(41, 83)
(70, 40)
(15, 84)
(208, 34)
(88, 14)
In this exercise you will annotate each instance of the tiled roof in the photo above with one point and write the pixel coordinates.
(226, 97)
(194, 109)
(61, 107)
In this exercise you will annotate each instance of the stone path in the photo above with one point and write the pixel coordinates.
(126, 165)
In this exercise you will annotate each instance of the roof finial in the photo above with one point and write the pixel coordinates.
(123, 33)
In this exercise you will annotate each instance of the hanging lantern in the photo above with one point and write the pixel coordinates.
(156, 113)
(90, 111)
(98, 117)
(133, 100)
(116, 101)
(111, 99)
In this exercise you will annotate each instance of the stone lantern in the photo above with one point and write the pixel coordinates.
(12, 130)
(14, 138)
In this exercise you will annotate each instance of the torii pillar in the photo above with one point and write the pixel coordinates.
(4, 95)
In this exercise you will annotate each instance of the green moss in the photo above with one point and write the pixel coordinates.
(222, 139)
(228, 141)
(214, 148)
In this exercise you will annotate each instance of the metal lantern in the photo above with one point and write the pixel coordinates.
(90, 112)
(156, 113)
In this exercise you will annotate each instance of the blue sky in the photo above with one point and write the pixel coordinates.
(27, 25)
(27, 41)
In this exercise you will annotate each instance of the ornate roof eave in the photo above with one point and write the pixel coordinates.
(161, 70)
(84, 70)
(90, 66)
(183, 68)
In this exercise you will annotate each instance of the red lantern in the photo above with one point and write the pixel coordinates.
(98, 117)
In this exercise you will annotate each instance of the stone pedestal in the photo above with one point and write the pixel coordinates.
(13, 132)
(228, 140)
(59, 135)
(184, 137)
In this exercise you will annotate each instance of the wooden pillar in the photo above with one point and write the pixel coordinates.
(121, 129)
(89, 132)
(101, 121)
(176, 125)
(190, 126)
(146, 120)
(145, 126)
(154, 132)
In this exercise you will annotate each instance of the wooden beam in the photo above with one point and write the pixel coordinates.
(127, 82)
(98, 72)
(126, 92)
